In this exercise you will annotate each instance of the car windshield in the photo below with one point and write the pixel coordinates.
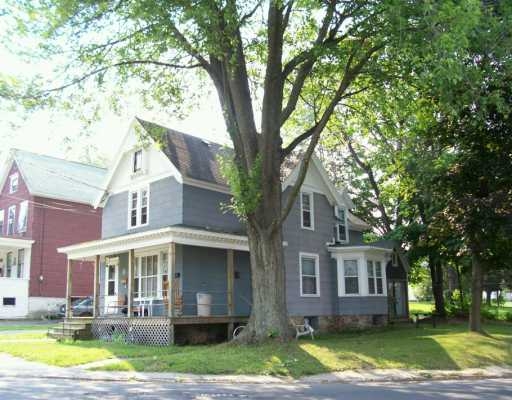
(83, 302)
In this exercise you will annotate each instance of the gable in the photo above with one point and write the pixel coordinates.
(316, 180)
(55, 178)
(155, 165)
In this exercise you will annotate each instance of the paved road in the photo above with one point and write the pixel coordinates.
(31, 388)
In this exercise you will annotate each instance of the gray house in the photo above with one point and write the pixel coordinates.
(173, 264)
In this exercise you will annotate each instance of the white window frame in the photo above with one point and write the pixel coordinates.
(2, 221)
(311, 210)
(11, 221)
(139, 207)
(138, 275)
(315, 257)
(14, 178)
(341, 274)
(23, 208)
(134, 159)
(374, 262)
(337, 214)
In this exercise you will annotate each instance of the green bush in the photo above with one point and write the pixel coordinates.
(488, 314)
(508, 316)
(454, 306)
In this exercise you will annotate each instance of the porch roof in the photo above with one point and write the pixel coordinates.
(15, 243)
(155, 237)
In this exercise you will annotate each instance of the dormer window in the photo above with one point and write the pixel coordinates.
(341, 224)
(13, 183)
(307, 211)
(137, 161)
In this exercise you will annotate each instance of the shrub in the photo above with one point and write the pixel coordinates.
(508, 316)
(488, 314)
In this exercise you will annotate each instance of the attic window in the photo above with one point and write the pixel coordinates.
(137, 161)
(13, 183)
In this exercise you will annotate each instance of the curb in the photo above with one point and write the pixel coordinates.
(374, 376)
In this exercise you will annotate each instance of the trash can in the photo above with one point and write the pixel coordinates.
(204, 304)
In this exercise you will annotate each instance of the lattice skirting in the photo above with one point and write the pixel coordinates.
(155, 331)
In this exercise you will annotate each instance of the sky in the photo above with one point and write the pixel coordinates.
(62, 134)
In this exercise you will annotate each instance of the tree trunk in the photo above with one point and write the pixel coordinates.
(269, 317)
(436, 273)
(461, 290)
(475, 320)
(488, 294)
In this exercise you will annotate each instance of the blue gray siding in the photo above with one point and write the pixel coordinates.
(203, 208)
(307, 241)
(242, 295)
(165, 208)
(367, 305)
(304, 240)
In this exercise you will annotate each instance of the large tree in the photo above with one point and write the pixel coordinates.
(265, 59)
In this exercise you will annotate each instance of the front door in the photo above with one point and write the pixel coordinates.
(112, 286)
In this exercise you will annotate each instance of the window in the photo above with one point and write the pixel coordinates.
(8, 265)
(309, 275)
(375, 280)
(146, 277)
(1, 222)
(306, 206)
(138, 207)
(21, 263)
(23, 217)
(351, 276)
(341, 224)
(11, 217)
(137, 161)
(111, 280)
(9, 301)
(13, 183)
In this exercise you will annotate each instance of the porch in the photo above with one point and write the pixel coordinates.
(15, 256)
(151, 287)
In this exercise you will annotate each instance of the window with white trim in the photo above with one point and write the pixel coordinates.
(2, 222)
(21, 263)
(351, 276)
(307, 210)
(13, 183)
(137, 161)
(11, 218)
(146, 277)
(375, 279)
(309, 275)
(138, 207)
(23, 217)
(341, 224)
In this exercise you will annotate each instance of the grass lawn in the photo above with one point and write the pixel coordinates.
(446, 347)
(26, 327)
(420, 307)
(426, 307)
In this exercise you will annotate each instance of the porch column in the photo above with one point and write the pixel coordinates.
(69, 276)
(171, 260)
(131, 271)
(231, 277)
(96, 303)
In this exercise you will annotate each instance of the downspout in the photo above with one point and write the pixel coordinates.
(41, 255)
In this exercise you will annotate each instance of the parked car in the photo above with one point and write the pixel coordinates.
(82, 307)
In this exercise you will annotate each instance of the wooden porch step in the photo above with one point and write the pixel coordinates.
(72, 329)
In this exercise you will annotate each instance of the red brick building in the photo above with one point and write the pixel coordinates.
(45, 203)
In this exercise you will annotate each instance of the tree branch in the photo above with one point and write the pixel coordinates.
(373, 183)
(76, 81)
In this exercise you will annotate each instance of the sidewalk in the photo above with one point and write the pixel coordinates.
(16, 367)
